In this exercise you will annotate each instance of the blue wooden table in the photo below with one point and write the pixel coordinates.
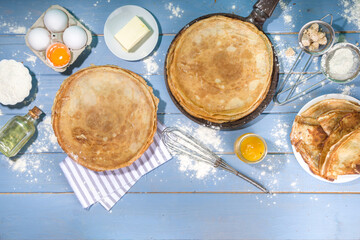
(36, 201)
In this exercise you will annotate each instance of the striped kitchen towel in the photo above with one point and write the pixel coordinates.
(109, 186)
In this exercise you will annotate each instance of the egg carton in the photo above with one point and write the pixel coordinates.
(58, 37)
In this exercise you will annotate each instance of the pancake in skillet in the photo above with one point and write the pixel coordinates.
(104, 117)
(220, 68)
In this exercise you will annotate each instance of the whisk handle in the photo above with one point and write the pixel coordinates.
(249, 180)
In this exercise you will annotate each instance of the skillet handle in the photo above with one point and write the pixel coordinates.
(262, 10)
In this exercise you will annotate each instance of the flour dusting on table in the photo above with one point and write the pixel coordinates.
(176, 11)
(150, 64)
(286, 53)
(29, 165)
(280, 134)
(346, 89)
(286, 11)
(13, 28)
(31, 59)
(210, 138)
(47, 140)
(351, 11)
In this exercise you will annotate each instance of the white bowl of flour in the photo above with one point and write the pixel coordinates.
(15, 82)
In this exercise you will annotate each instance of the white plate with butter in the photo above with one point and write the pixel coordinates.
(118, 19)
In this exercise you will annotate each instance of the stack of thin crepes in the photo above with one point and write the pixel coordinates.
(220, 68)
(327, 135)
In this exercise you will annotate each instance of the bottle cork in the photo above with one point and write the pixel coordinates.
(35, 112)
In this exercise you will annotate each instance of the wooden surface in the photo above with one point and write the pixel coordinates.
(36, 201)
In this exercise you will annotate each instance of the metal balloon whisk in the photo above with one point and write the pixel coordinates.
(180, 143)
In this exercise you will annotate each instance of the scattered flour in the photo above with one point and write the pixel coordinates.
(31, 59)
(176, 11)
(280, 133)
(13, 28)
(286, 11)
(28, 16)
(151, 65)
(29, 166)
(285, 59)
(351, 11)
(346, 89)
(316, 63)
(199, 169)
(46, 140)
(209, 137)
(288, 18)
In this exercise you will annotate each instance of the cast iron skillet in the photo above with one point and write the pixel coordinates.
(262, 10)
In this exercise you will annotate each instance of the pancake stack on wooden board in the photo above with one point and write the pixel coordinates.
(104, 117)
(220, 68)
(327, 135)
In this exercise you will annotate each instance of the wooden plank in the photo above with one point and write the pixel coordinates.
(13, 47)
(275, 128)
(46, 82)
(182, 216)
(94, 14)
(279, 173)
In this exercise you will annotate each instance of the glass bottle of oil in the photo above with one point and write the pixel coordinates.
(17, 132)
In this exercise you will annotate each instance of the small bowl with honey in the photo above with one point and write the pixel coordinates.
(250, 148)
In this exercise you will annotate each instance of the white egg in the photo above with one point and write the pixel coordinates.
(55, 20)
(39, 39)
(75, 37)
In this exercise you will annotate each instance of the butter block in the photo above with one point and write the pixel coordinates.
(132, 33)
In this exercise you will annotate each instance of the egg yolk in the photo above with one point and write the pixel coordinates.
(58, 54)
(252, 148)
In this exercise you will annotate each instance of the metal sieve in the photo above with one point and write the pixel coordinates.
(323, 27)
(300, 79)
(355, 71)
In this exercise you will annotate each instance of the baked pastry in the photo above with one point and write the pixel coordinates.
(332, 104)
(330, 120)
(348, 124)
(344, 157)
(307, 136)
(220, 68)
(320, 134)
(104, 117)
